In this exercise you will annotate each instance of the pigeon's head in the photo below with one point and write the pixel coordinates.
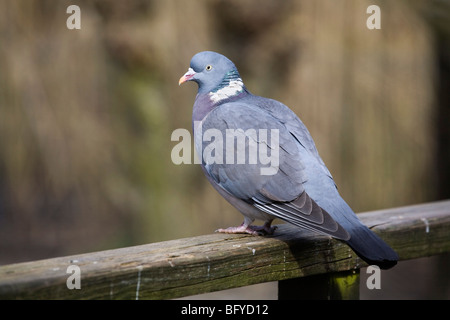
(212, 72)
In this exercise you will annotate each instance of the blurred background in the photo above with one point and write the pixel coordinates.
(86, 115)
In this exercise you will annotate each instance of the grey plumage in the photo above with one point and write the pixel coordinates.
(300, 189)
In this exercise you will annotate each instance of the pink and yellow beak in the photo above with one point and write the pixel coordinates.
(187, 76)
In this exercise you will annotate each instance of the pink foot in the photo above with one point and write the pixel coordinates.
(240, 229)
(253, 230)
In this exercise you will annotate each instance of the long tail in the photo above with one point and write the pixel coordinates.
(372, 248)
(366, 244)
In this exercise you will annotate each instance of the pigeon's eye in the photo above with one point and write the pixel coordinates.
(208, 67)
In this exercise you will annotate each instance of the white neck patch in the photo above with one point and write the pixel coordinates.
(233, 88)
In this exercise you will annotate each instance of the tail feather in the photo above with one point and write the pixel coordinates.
(366, 244)
(371, 248)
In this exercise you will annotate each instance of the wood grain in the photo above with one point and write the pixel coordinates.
(214, 262)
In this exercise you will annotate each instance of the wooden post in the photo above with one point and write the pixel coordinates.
(329, 286)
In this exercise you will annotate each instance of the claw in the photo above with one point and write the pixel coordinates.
(265, 229)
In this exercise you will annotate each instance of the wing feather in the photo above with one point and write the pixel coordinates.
(281, 195)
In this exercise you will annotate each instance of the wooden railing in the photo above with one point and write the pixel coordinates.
(215, 262)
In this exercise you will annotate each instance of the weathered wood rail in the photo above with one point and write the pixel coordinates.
(218, 261)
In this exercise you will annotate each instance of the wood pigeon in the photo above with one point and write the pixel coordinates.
(234, 133)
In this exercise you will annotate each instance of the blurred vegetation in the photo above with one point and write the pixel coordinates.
(86, 115)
